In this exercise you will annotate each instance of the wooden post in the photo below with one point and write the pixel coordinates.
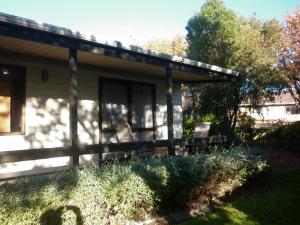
(73, 105)
(169, 90)
(154, 125)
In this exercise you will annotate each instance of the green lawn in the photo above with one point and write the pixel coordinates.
(275, 201)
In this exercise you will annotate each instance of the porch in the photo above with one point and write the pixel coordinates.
(58, 56)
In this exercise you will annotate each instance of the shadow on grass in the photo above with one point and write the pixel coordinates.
(34, 192)
(55, 216)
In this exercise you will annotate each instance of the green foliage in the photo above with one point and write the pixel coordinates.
(207, 118)
(113, 193)
(211, 33)
(188, 127)
(245, 130)
(189, 124)
(287, 137)
(217, 35)
(176, 46)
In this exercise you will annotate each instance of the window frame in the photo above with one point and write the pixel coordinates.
(128, 84)
(20, 71)
(292, 110)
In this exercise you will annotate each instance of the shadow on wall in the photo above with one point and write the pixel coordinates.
(48, 122)
(88, 128)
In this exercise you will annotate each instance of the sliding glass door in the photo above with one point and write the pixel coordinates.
(126, 101)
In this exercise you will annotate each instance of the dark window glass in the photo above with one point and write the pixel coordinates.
(127, 101)
(142, 106)
(114, 103)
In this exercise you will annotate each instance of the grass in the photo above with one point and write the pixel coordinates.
(275, 201)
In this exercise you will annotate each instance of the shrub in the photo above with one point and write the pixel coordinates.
(117, 191)
(189, 124)
(245, 130)
(287, 137)
(188, 127)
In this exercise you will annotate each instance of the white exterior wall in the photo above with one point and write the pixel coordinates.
(47, 114)
(272, 113)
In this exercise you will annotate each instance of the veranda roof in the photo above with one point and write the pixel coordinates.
(31, 38)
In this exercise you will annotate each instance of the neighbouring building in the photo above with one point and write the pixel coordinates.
(282, 110)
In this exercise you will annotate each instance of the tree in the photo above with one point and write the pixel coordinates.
(216, 35)
(211, 34)
(290, 56)
(176, 46)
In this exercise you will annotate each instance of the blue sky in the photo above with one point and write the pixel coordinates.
(134, 21)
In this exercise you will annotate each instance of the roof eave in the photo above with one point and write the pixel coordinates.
(67, 38)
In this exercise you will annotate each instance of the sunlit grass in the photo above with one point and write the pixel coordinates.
(278, 205)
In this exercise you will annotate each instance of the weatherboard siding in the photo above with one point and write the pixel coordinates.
(47, 114)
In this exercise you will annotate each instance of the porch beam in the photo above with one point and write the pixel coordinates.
(169, 92)
(207, 81)
(73, 105)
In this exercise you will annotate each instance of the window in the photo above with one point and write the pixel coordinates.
(115, 103)
(142, 106)
(12, 98)
(127, 101)
(289, 110)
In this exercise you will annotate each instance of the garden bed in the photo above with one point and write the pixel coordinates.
(117, 193)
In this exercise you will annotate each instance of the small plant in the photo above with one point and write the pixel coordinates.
(207, 118)
(188, 127)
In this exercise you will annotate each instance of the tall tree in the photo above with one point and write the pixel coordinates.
(290, 57)
(211, 34)
(176, 46)
(216, 35)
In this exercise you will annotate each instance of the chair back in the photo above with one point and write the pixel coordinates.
(124, 132)
(202, 129)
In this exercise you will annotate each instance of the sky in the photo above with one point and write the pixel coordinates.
(134, 21)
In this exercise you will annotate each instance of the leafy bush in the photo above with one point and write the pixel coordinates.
(116, 192)
(188, 127)
(207, 118)
(189, 124)
(287, 137)
(245, 130)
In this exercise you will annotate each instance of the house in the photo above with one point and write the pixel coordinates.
(61, 93)
(282, 110)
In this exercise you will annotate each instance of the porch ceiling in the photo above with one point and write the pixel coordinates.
(27, 37)
(19, 46)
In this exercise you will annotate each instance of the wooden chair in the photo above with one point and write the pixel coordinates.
(124, 134)
(201, 130)
(201, 138)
